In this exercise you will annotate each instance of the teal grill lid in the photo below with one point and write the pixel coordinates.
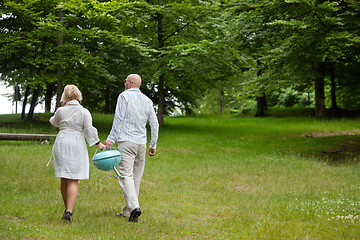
(107, 160)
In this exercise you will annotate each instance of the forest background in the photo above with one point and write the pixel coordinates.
(227, 56)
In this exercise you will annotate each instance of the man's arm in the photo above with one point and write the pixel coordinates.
(154, 126)
(118, 117)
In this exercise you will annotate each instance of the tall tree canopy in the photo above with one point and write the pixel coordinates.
(46, 42)
(298, 41)
(182, 48)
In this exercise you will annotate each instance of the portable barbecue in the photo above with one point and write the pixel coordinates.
(107, 160)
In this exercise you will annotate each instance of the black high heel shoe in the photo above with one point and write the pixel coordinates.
(67, 216)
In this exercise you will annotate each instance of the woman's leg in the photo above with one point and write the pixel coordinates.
(71, 194)
(63, 188)
(69, 191)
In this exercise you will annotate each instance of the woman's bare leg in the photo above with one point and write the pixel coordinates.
(63, 188)
(69, 191)
(72, 191)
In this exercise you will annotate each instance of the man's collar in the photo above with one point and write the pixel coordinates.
(133, 89)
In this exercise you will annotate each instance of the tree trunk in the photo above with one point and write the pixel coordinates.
(334, 105)
(107, 101)
(113, 102)
(320, 110)
(59, 70)
(48, 95)
(261, 106)
(33, 103)
(161, 87)
(25, 101)
(161, 104)
(222, 100)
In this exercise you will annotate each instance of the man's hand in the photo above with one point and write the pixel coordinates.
(108, 144)
(151, 151)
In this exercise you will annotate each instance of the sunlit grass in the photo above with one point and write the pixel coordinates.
(212, 178)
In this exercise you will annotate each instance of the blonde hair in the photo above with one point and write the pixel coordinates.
(71, 92)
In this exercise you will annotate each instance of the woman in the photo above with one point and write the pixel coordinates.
(71, 158)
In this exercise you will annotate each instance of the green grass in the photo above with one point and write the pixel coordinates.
(212, 178)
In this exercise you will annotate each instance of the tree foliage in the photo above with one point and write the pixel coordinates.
(296, 44)
(182, 48)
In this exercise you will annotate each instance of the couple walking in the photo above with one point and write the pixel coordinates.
(71, 159)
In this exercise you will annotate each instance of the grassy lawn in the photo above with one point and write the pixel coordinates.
(212, 178)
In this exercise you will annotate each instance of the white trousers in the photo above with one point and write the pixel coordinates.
(131, 169)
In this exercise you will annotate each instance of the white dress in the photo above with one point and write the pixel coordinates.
(70, 153)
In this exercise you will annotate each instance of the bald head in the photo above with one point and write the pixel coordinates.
(135, 80)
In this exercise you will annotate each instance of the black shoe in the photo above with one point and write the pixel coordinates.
(68, 216)
(134, 215)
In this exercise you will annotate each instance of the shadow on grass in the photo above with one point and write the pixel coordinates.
(344, 151)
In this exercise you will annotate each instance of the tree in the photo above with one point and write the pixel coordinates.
(305, 35)
(181, 48)
(62, 42)
(175, 67)
(251, 37)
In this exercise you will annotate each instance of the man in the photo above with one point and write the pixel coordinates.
(133, 111)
